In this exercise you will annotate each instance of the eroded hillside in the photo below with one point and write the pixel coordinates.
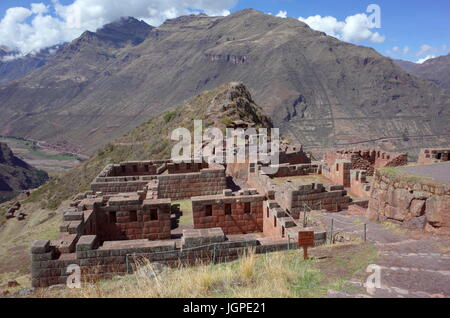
(322, 91)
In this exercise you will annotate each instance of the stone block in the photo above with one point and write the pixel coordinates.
(40, 247)
(86, 243)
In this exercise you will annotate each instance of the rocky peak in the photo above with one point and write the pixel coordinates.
(118, 33)
(234, 105)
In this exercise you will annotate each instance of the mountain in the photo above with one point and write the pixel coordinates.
(3, 51)
(436, 70)
(12, 69)
(221, 107)
(16, 175)
(321, 91)
(117, 33)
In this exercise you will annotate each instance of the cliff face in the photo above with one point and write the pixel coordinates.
(413, 202)
(16, 175)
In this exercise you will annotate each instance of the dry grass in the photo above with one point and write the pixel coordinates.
(394, 227)
(16, 238)
(283, 274)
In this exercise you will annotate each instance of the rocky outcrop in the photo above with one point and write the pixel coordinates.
(415, 203)
(16, 175)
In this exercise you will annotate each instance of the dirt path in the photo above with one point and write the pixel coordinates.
(413, 264)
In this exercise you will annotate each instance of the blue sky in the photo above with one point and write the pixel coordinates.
(410, 30)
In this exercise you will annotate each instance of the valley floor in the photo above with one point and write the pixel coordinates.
(41, 156)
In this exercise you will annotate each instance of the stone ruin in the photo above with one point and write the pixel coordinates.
(131, 212)
(354, 168)
(434, 155)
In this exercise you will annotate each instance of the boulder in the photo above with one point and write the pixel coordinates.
(417, 208)
(438, 211)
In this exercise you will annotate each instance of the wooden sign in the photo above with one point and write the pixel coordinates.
(305, 240)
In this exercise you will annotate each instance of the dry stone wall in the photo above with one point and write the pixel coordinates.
(413, 202)
(210, 181)
(235, 213)
(434, 155)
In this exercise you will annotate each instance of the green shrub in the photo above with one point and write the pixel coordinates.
(227, 121)
(169, 116)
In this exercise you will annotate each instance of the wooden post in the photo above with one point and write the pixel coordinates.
(305, 253)
(305, 224)
(331, 231)
(365, 232)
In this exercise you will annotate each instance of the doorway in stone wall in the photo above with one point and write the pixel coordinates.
(182, 217)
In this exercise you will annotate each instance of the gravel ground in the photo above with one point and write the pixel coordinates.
(413, 264)
(439, 172)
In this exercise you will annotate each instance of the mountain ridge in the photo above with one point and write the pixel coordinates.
(320, 90)
(436, 70)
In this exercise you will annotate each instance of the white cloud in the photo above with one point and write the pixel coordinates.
(425, 49)
(39, 8)
(398, 51)
(28, 30)
(426, 58)
(282, 14)
(355, 28)
(427, 52)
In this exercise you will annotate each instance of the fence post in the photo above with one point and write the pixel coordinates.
(289, 242)
(365, 232)
(305, 224)
(214, 254)
(126, 260)
(331, 231)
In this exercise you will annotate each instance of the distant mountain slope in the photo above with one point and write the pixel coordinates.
(436, 70)
(16, 174)
(323, 91)
(220, 107)
(11, 70)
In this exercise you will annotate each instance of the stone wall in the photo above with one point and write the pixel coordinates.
(177, 168)
(332, 198)
(51, 267)
(209, 181)
(433, 155)
(235, 213)
(120, 185)
(339, 172)
(288, 170)
(292, 199)
(133, 168)
(276, 220)
(131, 219)
(366, 159)
(293, 154)
(359, 186)
(412, 202)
